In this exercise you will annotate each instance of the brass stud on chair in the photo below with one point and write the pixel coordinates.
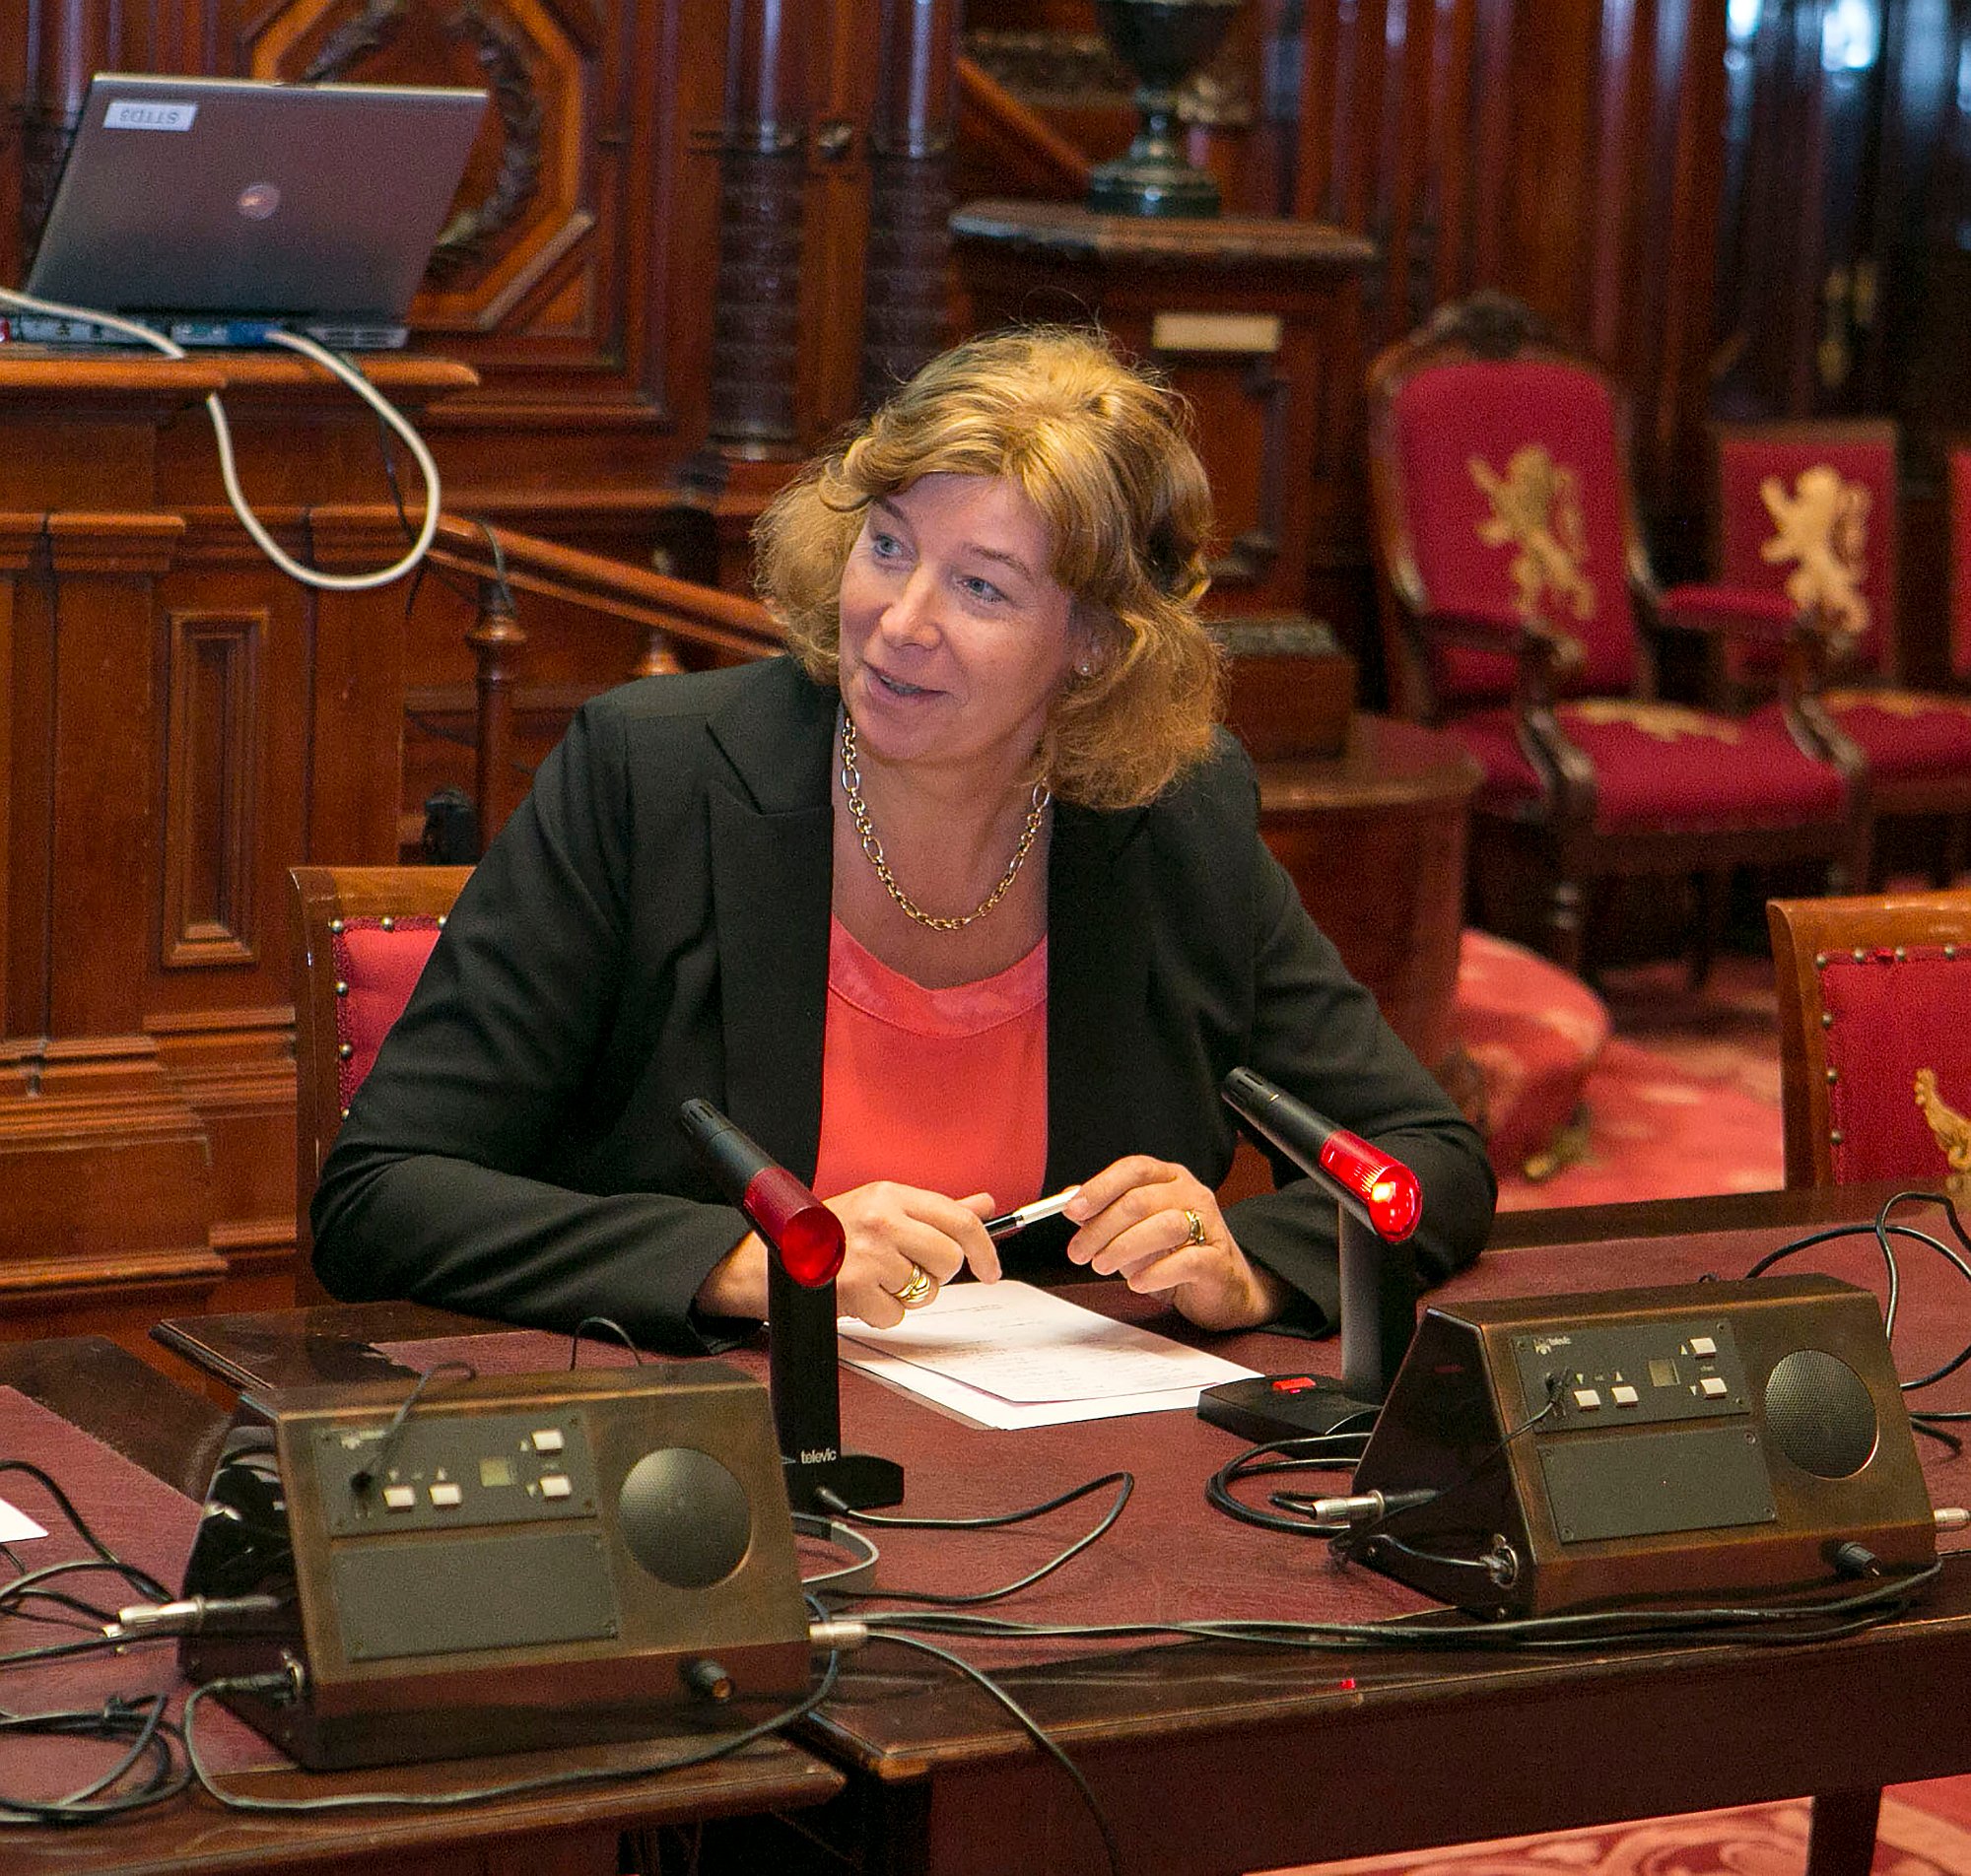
(1949, 953)
(345, 1114)
(1833, 1075)
(441, 921)
(1861, 956)
(1835, 1138)
(341, 988)
(346, 1050)
(1820, 961)
(1902, 956)
(1827, 1019)
(391, 924)
(335, 926)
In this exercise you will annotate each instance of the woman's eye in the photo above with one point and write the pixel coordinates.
(982, 589)
(885, 547)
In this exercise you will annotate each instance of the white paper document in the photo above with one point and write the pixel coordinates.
(16, 1524)
(1011, 1355)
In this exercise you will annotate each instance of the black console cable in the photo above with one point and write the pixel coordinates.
(1125, 1483)
(367, 1474)
(142, 1722)
(615, 1329)
(1927, 1419)
(28, 1586)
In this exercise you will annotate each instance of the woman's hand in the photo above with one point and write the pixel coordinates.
(1155, 1226)
(900, 1242)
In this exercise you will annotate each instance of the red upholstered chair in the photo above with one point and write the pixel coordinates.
(360, 935)
(1809, 509)
(1516, 590)
(1875, 1002)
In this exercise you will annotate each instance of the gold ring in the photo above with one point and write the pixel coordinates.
(920, 1288)
(1193, 1227)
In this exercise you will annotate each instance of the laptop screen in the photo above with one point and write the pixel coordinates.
(202, 196)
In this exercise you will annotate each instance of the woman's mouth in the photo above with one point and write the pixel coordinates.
(894, 686)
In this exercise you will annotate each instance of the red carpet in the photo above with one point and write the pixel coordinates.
(1683, 1099)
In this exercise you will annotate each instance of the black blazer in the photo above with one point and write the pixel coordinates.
(652, 924)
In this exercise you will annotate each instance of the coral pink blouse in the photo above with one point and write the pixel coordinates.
(940, 1089)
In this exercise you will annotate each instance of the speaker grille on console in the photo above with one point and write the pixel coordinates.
(1820, 1413)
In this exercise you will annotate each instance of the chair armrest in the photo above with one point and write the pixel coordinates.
(1739, 612)
(1536, 643)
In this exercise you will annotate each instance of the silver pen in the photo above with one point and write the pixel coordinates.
(1007, 1222)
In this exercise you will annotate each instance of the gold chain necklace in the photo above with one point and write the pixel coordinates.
(872, 846)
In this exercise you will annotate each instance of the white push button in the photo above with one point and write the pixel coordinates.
(1587, 1399)
(555, 1486)
(548, 1440)
(1713, 1385)
(1622, 1394)
(399, 1497)
(446, 1493)
(1703, 1345)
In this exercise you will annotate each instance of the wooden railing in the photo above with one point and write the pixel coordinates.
(673, 625)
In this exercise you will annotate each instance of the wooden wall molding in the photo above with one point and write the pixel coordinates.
(212, 736)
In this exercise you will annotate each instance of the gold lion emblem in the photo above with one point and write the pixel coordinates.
(1822, 531)
(1536, 509)
(1948, 1128)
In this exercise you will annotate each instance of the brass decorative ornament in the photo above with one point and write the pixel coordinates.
(1822, 530)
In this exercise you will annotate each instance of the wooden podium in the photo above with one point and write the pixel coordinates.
(181, 722)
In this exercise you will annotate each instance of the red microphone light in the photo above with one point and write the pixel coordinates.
(1387, 1186)
(806, 1234)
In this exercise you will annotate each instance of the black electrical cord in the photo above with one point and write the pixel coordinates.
(367, 1474)
(1034, 1731)
(1124, 1482)
(614, 1327)
(1780, 1620)
(1308, 1454)
(140, 1721)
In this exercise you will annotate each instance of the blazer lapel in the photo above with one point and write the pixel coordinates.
(772, 875)
(1097, 982)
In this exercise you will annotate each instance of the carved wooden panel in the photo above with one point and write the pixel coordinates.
(212, 736)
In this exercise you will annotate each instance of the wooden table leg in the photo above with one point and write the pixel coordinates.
(1841, 1841)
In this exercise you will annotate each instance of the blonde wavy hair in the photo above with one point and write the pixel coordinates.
(1104, 452)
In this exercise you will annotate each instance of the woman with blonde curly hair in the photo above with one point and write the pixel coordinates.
(961, 903)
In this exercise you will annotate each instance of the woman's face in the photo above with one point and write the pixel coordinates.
(954, 634)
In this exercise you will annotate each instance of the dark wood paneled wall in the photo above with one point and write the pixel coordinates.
(695, 237)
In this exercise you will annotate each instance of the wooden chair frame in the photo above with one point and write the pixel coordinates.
(1561, 834)
(1805, 931)
(323, 896)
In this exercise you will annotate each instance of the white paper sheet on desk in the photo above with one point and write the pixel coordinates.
(16, 1524)
(1011, 1355)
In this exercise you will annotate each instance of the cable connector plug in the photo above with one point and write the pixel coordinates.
(191, 1615)
(838, 1634)
(1367, 1508)
(1952, 1517)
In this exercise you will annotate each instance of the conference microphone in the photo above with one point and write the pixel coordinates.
(807, 1245)
(803, 1232)
(1381, 1190)
(1379, 1204)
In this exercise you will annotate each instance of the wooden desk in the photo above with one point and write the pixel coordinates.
(1335, 1755)
(171, 1435)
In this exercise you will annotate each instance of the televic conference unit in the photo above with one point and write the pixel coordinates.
(516, 1560)
(1688, 1445)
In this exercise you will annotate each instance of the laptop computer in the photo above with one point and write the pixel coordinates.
(214, 208)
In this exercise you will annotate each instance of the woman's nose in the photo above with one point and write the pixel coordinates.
(910, 616)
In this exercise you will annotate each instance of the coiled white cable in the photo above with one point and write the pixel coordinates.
(223, 435)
